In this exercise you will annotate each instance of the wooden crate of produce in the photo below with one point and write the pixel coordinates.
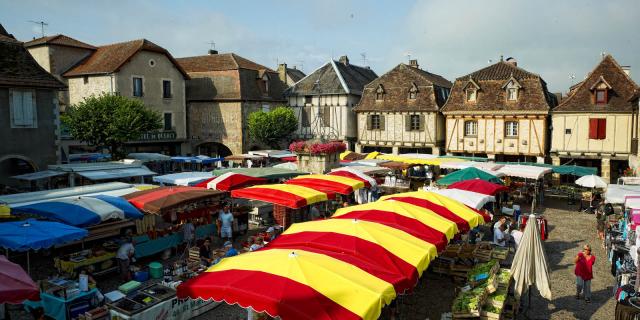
(466, 251)
(451, 251)
(482, 254)
(500, 253)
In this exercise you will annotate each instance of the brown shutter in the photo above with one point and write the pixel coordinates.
(326, 116)
(382, 127)
(368, 122)
(407, 122)
(602, 128)
(593, 128)
(422, 122)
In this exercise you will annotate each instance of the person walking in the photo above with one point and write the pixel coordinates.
(584, 272)
(225, 218)
(125, 256)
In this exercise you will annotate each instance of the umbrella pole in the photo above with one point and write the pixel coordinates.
(28, 263)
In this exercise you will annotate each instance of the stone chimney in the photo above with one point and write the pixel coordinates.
(627, 70)
(282, 72)
(212, 52)
(512, 61)
(414, 63)
(344, 60)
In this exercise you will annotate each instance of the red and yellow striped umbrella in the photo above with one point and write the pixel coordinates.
(328, 183)
(425, 199)
(293, 284)
(291, 196)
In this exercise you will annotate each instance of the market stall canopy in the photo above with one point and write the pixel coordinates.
(591, 181)
(15, 284)
(397, 165)
(479, 186)
(471, 199)
(183, 178)
(486, 166)
(147, 157)
(439, 203)
(290, 196)
(196, 159)
(368, 170)
(110, 188)
(421, 160)
(130, 212)
(293, 284)
(418, 222)
(39, 175)
(529, 266)
(76, 211)
(77, 157)
(616, 193)
(632, 202)
(355, 174)
(366, 162)
(328, 183)
(287, 165)
(352, 156)
(232, 181)
(104, 170)
(468, 174)
(525, 171)
(574, 170)
(267, 173)
(273, 153)
(32, 234)
(156, 200)
(242, 157)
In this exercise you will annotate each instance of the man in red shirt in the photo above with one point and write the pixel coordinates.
(584, 272)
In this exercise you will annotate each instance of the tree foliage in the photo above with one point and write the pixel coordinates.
(271, 128)
(109, 121)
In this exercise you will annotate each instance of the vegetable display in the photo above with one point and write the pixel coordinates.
(481, 269)
(469, 301)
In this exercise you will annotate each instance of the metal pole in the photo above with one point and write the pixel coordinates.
(28, 263)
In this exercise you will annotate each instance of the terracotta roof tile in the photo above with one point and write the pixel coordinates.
(219, 62)
(108, 59)
(533, 95)
(60, 40)
(397, 83)
(622, 90)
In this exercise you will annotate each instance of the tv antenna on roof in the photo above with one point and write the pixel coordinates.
(212, 44)
(42, 24)
(408, 54)
(364, 58)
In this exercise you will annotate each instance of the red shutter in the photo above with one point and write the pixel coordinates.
(602, 128)
(593, 128)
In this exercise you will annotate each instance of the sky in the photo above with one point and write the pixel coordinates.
(562, 40)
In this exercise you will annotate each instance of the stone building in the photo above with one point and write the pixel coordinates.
(324, 101)
(29, 112)
(399, 112)
(138, 69)
(597, 124)
(500, 111)
(224, 89)
(289, 76)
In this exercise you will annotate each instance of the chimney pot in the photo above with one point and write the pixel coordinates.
(413, 63)
(512, 61)
(627, 70)
(212, 51)
(344, 60)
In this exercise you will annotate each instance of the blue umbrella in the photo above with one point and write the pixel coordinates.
(129, 210)
(34, 234)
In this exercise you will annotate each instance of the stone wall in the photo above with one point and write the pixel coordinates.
(318, 164)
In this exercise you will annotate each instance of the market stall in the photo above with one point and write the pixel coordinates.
(479, 186)
(232, 181)
(328, 183)
(616, 193)
(269, 173)
(468, 174)
(472, 199)
(182, 178)
(15, 284)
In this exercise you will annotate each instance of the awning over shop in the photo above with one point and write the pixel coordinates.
(182, 178)
(232, 181)
(164, 198)
(116, 173)
(267, 173)
(524, 171)
(468, 174)
(39, 175)
(291, 196)
(328, 183)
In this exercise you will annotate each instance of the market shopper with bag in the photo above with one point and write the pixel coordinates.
(584, 272)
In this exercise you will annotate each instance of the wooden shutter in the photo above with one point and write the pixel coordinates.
(422, 124)
(29, 107)
(17, 110)
(305, 116)
(326, 116)
(602, 128)
(369, 122)
(382, 122)
(407, 122)
(593, 128)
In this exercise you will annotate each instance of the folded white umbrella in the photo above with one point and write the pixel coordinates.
(591, 181)
(529, 266)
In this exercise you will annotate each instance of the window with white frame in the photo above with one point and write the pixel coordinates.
(23, 109)
(512, 94)
(471, 128)
(413, 92)
(511, 128)
(471, 94)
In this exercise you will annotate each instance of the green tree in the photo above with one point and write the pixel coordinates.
(110, 121)
(271, 128)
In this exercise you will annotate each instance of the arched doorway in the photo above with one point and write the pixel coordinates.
(13, 165)
(213, 149)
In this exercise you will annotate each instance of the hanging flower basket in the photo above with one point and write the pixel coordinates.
(317, 148)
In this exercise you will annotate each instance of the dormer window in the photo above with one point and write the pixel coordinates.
(264, 84)
(600, 91)
(413, 92)
(512, 88)
(380, 93)
(601, 96)
(471, 94)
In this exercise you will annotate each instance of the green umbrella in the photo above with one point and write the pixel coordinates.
(468, 174)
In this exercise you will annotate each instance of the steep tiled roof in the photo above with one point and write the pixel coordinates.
(295, 74)
(622, 90)
(334, 77)
(219, 62)
(533, 95)
(18, 68)
(110, 58)
(396, 85)
(59, 39)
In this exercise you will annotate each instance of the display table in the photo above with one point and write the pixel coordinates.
(59, 307)
(70, 267)
(146, 246)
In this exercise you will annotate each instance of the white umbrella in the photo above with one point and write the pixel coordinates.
(529, 265)
(591, 181)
